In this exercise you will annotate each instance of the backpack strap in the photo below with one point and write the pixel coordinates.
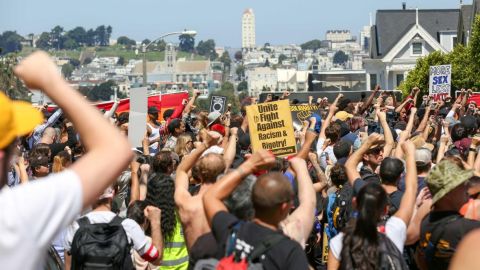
(116, 220)
(83, 221)
(440, 226)
(232, 238)
(269, 242)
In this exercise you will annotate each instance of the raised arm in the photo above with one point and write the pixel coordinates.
(100, 166)
(387, 132)
(424, 122)
(112, 110)
(405, 102)
(356, 157)
(181, 177)
(213, 198)
(231, 149)
(305, 212)
(191, 102)
(331, 112)
(408, 200)
(404, 135)
(367, 104)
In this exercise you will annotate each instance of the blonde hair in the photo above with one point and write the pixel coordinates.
(181, 148)
(61, 161)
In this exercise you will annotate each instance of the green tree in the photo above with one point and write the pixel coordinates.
(313, 45)
(240, 71)
(70, 44)
(9, 83)
(57, 37)
(74, 62)
(187, 43)
(102, 92)
(121, 61)
(91, 38)
(281, 58)
(242, 86)
(44, 41)
(78, 34)
(238, 56)
(146, 41)
(109, 31)
(123, 40)
(207, 49)
(67, 70)
(340, 58)
(225, 59)
(101, 35)
(10, 41)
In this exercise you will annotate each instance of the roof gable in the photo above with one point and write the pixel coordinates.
(407, 38)
(392, 25)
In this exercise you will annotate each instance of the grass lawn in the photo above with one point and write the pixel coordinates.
(112, 51)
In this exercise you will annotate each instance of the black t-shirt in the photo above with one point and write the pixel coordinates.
(287, 254)
(447, 229)
(395, 198)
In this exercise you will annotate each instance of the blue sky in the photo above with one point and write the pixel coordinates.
(277, 21)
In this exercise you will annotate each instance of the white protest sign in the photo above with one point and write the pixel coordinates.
(137, 123)
(440, 80)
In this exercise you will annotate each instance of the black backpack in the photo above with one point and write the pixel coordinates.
(342, 207)
(101, 246)
(390, 258)
(232, 259)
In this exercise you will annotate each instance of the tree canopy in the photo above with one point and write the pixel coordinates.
(207, 49)
(340, 58)
(187, 43)
(10, 41)
(313, 45)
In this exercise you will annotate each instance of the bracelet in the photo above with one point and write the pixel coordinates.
(472, 149)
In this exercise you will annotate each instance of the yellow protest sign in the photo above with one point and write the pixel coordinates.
(271, 127)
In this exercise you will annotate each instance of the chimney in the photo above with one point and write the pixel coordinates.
(404, 5)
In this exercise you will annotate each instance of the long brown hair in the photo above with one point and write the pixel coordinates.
(61, 161)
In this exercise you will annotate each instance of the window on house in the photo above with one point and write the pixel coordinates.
(399, 79)
(373, 81)
(417, 48)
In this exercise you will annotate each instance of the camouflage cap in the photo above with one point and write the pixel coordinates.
(445, 177)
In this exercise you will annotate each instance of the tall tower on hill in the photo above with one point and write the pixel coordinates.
(248, 29)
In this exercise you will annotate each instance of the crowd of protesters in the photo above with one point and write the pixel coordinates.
(376, 183)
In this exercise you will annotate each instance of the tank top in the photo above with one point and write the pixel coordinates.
(154, 147)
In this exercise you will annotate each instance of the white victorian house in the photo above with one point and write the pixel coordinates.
(400, 37)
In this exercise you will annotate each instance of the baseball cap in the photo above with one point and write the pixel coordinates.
(18, 118)
(445, 177)
(423, 155)
(152, 110)
(218, 128)
(343, 115)
(107, 193)
(213, 116)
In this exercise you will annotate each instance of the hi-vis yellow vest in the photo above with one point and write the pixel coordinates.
(175, 254)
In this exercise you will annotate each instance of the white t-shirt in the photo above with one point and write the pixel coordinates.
(32, 215)
(134, 233)
(328, 151)
(395, 229)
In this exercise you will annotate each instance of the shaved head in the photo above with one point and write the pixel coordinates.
(271, 190)
(49, 132)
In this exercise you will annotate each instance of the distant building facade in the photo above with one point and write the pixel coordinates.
(248, 29)
(338, 35)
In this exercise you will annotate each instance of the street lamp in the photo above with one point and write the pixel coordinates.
(145, 47)
(334, 85)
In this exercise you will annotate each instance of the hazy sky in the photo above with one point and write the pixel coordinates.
(277, 21)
